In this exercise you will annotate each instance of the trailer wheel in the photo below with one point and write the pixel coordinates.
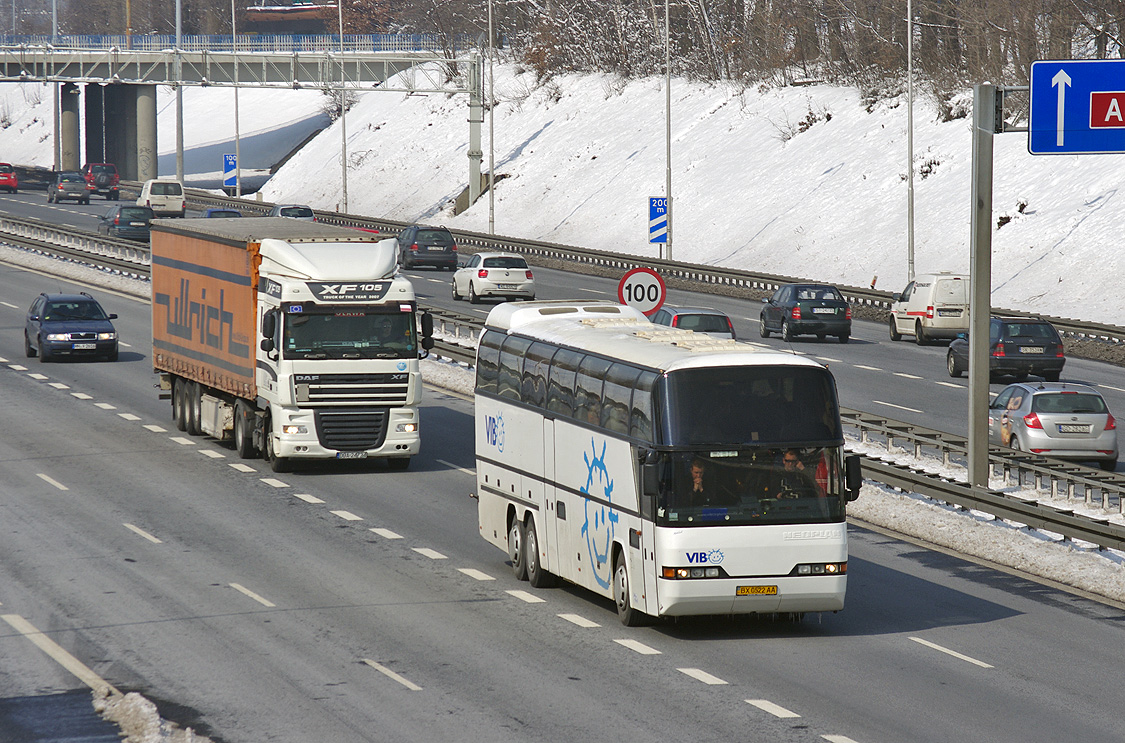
(192, 402)
(179, 406)
(244, 431)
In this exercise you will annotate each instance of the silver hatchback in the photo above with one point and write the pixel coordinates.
(1055, 419)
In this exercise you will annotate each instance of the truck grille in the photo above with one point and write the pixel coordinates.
(349, 389)
(351, 430)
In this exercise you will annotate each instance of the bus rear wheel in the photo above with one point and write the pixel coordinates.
(517, 551)
(536, 575)
(626, 612)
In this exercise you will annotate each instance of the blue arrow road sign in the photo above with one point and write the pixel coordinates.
(658, 220)
(1077, 107)
(230, 164)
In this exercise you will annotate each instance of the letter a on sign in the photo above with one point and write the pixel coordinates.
(1105, 110)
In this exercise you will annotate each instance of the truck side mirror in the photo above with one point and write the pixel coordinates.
(269, 325)
(267, 345)
(427, 327)
(853, 476)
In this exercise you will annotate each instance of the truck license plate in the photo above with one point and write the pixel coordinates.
(351, 455)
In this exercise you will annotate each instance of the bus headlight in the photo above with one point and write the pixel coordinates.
(821, 568)
(690, 573)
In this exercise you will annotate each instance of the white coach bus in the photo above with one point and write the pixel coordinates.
(672, 472)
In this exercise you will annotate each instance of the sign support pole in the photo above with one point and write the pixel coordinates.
(980, 307)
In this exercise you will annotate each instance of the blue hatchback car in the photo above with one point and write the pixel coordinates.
(72, 325)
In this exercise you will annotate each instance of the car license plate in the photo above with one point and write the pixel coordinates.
(136, 224)
(1074, 428)
(507, 286)
(756, 591)
(1031, 349)
(85, 346)
(435, 247)
(351, 455)
(949, 313)
(823, 311)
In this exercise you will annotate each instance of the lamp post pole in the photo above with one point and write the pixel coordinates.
(237, 137)
(909, 141)
(491, 106)
(668, 123)
(179, 95)
(343, 113)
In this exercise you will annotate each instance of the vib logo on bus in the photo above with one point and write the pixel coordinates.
(494, 431)
(600, 518)
(698, 558)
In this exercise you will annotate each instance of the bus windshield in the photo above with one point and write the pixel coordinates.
(759, 486)
(349, 333)
(731, 406)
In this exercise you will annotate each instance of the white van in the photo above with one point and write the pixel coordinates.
(933, 305)
(164, 197)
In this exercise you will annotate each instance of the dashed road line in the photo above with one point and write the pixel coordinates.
(579, 620)
(60, 656)
(52, 481)
(59, 386)
(455, 467)
(386, 533)
(81, 395)
(246, 591)
(182, 440)
(837, 739)
(9, 304)
(242, 467)
(703, 676)
(638, 647)
(427, 552)
(212, 453)
(475, 574)
(774, 709)
(868, 368)
(392, 675)
(829, 360)
(953, 653)
(1111, 387)
(308, 498)
(129, 416)
(904, 375)
(17, 367)
(951, 384)
(526, 597)
(155, 428)
(105, 406)
(143, 533)
(37, 376)
(346, 515)
(899, 407)
(273, 482)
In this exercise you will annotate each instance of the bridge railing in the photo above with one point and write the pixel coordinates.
(249, 42)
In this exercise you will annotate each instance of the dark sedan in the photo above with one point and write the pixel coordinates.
(806, 309)
(126, 221)
(1017, 347)
(69, 325)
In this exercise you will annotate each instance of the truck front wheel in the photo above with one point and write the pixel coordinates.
(277, 464)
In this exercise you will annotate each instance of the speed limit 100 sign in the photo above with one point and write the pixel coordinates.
(642, 289)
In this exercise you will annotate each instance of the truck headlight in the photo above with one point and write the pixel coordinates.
(407, 428)
(293, 428)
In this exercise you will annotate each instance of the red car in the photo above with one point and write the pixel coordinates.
(8, 180)
(102, 179)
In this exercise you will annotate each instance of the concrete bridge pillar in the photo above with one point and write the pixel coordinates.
(69, 128)
(115, 111)
(146, 133)
(94, 99)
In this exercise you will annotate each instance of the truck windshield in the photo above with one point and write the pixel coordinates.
(350, 333)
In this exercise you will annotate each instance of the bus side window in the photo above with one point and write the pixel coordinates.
(534, 388)
(488, 361)
(616, 397)
(508, 380)
(640, 420)
(560, 385)
(588, 390)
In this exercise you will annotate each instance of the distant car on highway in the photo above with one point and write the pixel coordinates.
(219, 213)
(164, 197)
(504, 275)
(72, 325)
(698, 319)
(420, 245)
(9, 181)
(1017, 347)
(102, 179)
(68, 184)
(806, 309)
(127, 220)
(1055, 419)
(293, 211)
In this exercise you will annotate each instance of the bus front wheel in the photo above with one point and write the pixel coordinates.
(517, 551)
(628, 615)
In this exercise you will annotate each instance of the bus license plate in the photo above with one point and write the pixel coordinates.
(756, 591)
(85, 346)
(351, 455)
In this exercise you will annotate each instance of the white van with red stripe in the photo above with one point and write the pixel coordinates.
(932, 306)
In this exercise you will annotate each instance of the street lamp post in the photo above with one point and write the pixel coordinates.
(668, 124)
(491, 106)
(237, 137)
(909, 142)
(343, 112)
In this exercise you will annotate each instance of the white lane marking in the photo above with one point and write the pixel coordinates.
(703, 676)
(81, 395)
(143, 533)
(829, 359)
(455, 467)
(182, 440)
(60, 386)
(868, 368)
(212, 453)
(580, 621)
(837, 739)
(307, 498)
(386, 533)
(155, 429)
(427, 552)
(904, 375)
(273, 482)
(892, 405)
(529, 598)
(105, 406)
(954, 653)
(37, 376)
(17, 367)
(346, 515)
(60, 656)
(475, 574)
(129, 416)
(244, 590)
(126, 345)
(767, 706)
(638, 647)
(959, 386)
(1111, 387)
(9, 304)
(392, 675)
(52, 481)
(242, 467)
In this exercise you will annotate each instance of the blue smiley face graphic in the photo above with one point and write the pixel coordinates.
(600, 518)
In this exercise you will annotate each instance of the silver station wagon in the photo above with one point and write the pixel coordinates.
(1055, 419)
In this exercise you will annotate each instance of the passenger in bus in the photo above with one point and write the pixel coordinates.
(791, 480)
(705, 491)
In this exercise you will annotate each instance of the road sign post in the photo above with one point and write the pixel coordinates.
(658, 220)
(642, 289)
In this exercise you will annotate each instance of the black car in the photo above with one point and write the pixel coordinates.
(69, 325)
(1017, 347)
(126, 221)
(806, 309)
(419, 245)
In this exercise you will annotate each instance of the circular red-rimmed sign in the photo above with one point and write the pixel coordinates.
(642, 289)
